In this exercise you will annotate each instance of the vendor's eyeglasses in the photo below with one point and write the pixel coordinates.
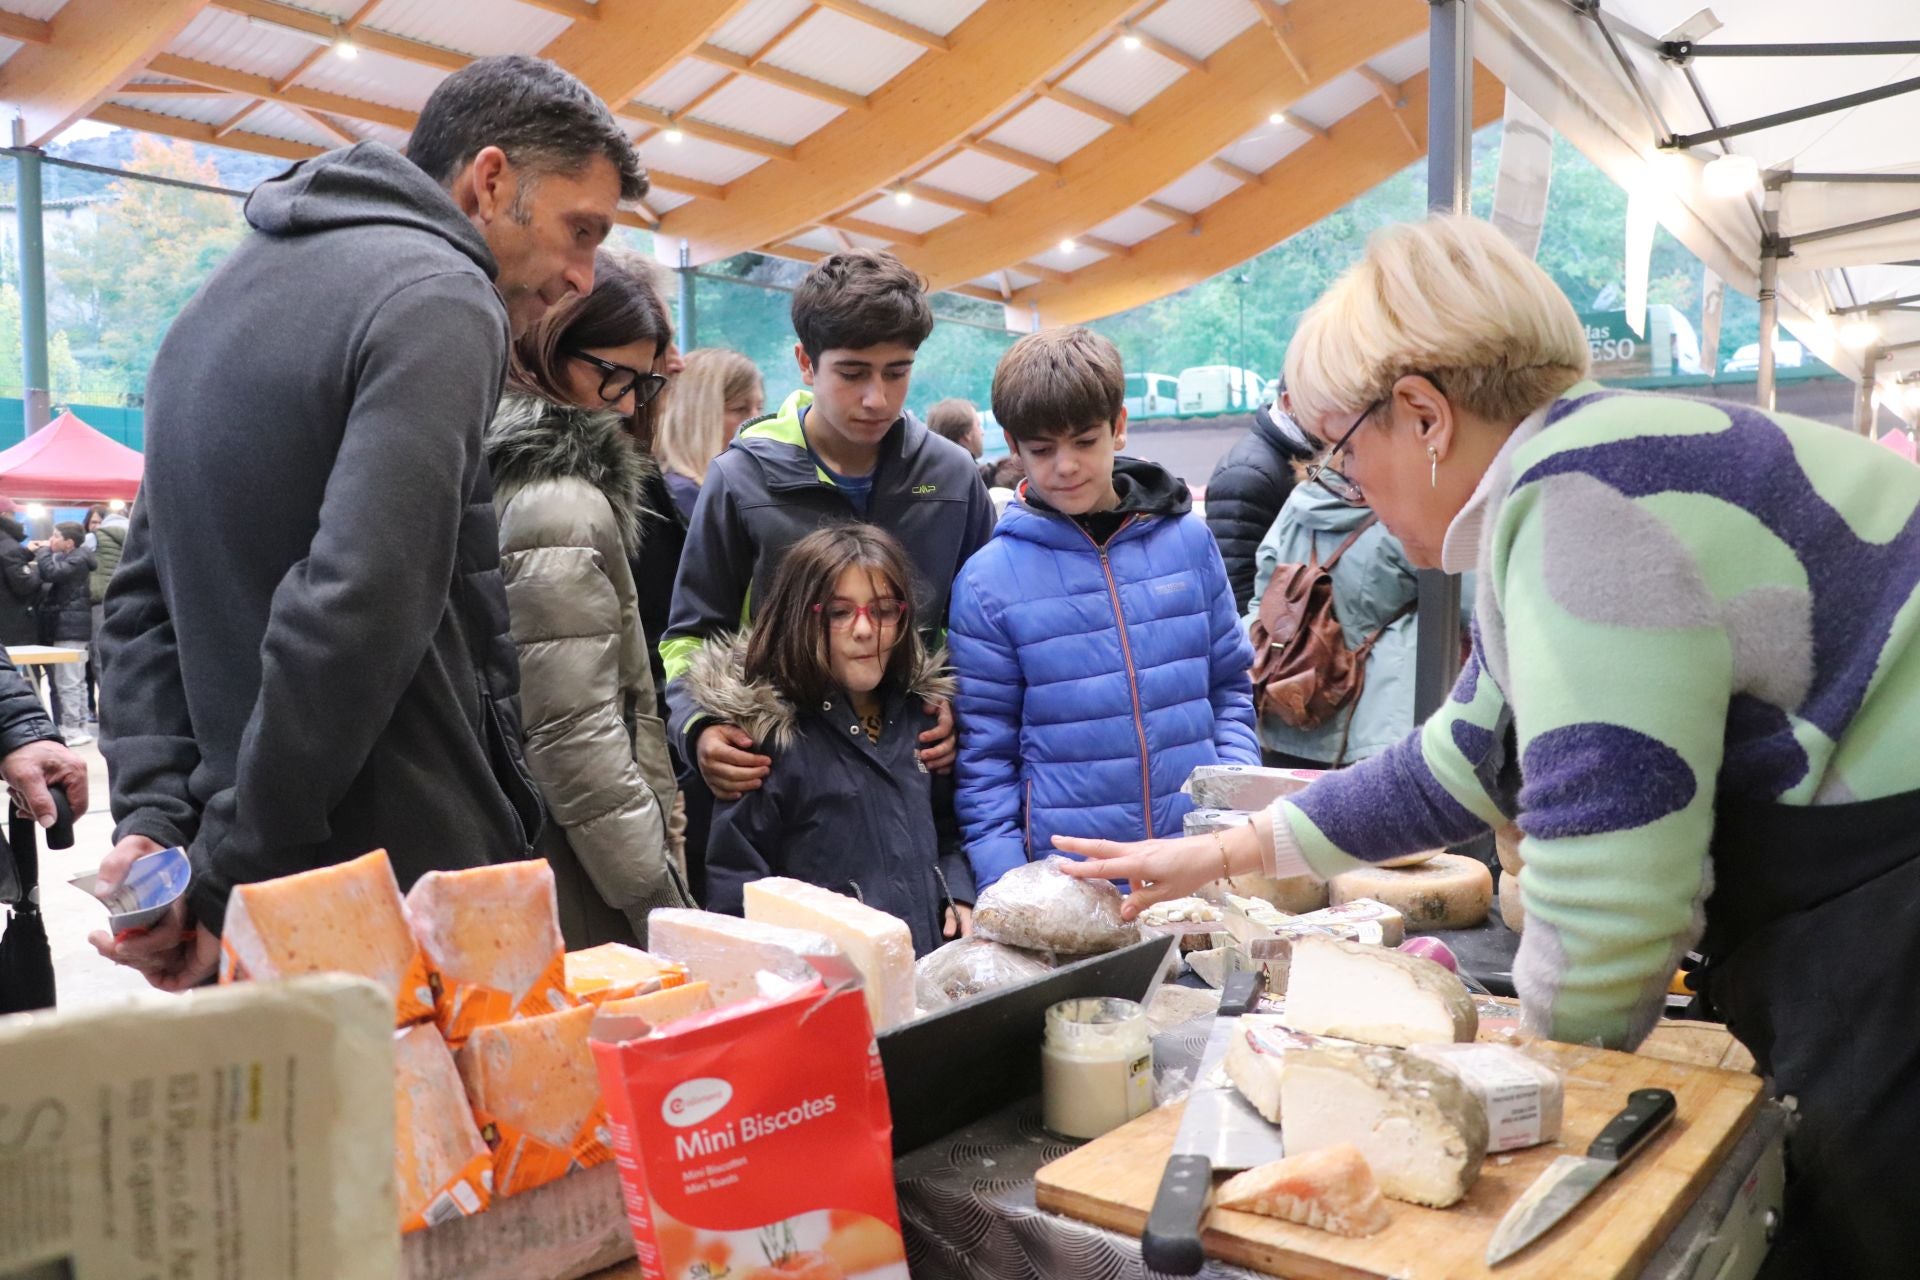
(618, 379)
(1329, 477)
(882, 613)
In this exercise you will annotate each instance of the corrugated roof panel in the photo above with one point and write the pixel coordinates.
(42, 9)
(395, 138)
(1048, 130)
(1020, 279)
(1402, 62)
(478, 27)
(766, 110)
(1265, 147)
(277, 122)
(1124, 79)
(1199, 27)
(937, 16)
(1196, 189)
(749, 30)
(1131, 227)
(661, 201)
(699, 159)
(376, 77)
(1060, 260)
(681, 83)
(816, 238)
(921, 215)
(229, 40)
(1334, 101)
(844, 52)
(971, 174)
(214, 111)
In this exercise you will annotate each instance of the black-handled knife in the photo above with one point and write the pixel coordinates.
(1218, 1131)
(1570, 1179)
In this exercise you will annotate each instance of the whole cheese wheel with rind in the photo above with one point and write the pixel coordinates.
(1294, 895)
(1447, 892)
(1376, 995)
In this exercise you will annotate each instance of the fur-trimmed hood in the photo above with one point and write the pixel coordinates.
(534, 439)
(717, 681)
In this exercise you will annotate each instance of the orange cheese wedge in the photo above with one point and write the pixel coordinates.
(491, 937)
(346, 918)
(660, 1007)
(536, 1093)
(442, 1167)
(613, 971)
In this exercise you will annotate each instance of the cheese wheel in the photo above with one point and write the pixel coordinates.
(1513, 911)
(1413, 859)
(1506, 842)
(1446, 892)
(1295, 895)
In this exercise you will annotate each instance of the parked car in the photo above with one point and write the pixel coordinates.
(1220, 388)
(1152, 395)
(1786, 355)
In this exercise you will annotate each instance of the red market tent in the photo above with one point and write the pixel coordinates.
(68, 461)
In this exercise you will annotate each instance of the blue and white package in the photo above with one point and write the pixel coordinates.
(154, 883)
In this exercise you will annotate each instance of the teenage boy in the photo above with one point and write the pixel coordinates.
(844, 448)
(1098, 653)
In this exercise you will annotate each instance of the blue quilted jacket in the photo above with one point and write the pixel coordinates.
(1093, 680)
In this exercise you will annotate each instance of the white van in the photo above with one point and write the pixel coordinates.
(1786, 355)
(1220, 388)
(1152, 395)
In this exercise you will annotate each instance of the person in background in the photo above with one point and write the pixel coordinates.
(1250, 485)
(833, 681)
(568, 479)
(1002, 477)
(957, 420)
(20, 574)
(716, 392)
(1099, 656)
(1374, 592)
(283, 686)
(66, 622)
(106, 538)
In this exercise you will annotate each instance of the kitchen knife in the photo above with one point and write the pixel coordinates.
(1570, 1179)
(1220, 1131)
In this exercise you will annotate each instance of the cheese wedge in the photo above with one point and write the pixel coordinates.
(660, 1007)
(535, 1078)
(441, 1166)
(726, 952)
(492, 934)
(613, 971)
(1253, 1060)
(346, 918)
(1375, 995)
(1330, 1190)
(1421, 1130)
(880, 945)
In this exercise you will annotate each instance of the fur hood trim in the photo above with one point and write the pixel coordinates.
(533, 439)
(717, 680)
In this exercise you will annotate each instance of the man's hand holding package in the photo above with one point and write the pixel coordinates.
(172, 955)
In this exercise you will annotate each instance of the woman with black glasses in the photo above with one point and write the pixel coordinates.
(568, 479)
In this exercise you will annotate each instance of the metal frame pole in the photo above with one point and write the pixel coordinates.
(1770, 250)
(1863, 394)
(35, 395)
(689, 303)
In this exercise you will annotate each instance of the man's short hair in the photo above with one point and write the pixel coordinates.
(71, 531)
(860, 298)
(953, 419)
(541, 116)
(1057, 382)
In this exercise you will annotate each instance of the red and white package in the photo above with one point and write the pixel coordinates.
(723, 1123)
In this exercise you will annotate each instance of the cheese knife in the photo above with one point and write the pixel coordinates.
(1219, 1132)
(1570, 1179)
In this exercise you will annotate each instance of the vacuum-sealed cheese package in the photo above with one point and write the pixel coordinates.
(723, 1123)
(443, 1169)
(1040, 908)
(491, 938)
(536, 1096)
(614, 971)
(967, 967)
(346, 918)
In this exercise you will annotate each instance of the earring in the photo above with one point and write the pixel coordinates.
(1435, 455)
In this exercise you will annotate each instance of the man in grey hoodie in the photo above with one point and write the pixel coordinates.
(283, 688)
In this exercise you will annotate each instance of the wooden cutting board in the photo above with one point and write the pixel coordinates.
(1112, 1180)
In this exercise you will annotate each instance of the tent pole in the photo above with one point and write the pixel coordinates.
(1863, 394)
(33, 293)
(1763, 385)
(689, 306)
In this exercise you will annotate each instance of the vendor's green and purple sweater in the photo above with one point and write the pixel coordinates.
(1681, 604)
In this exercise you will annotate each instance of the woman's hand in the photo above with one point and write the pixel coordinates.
(958, 921)
(1158, 870)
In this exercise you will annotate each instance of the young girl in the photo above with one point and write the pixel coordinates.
(833, 684)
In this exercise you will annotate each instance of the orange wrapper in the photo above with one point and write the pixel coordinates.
(491, 937)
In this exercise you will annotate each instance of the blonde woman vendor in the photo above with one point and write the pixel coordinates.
(1695, 647)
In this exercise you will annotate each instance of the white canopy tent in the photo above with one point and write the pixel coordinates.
(1821, 109)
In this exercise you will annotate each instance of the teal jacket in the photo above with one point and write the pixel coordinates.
(1372, 583)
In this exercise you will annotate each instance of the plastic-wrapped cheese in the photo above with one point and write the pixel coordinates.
(613, 971)
(1420, 1128)
(491, 936)
(1524, 1098)
(657, 1008)
(346, 918)
(880, 945)
(727, 952)
(536, 1093)
(442, 1167)
(1375, 995)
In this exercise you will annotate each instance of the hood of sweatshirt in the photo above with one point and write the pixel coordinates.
(363, 185)
(1312, 506)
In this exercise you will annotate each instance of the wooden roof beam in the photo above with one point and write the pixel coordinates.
(348, 25)
(297, 96)
(685, 186)
(888, 23)
(746, 142)
(1165, 50)
(17, 26)
(578, 10)
(331, 128)
(878, 230)
(294, 18)
(96, 46)
(1274, 14)
(1109, 247)
(239, 117)
(634, 41)
(1179, 217)
(171, 91)
(1195, 117)
(1395, 96)
(1362, 151)
(1008, 155)
(1003, 50)
(1053, 274)
(1295, 120)
(840, 237)
(947, 199)
(818, 90)
(1084, 105)
(194, 131)
(1245, 177)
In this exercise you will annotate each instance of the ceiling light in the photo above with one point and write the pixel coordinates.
(1670, 168)
(1731, 175)
(1068, 246)
(902, 197)
(1278, 117)
(116, 505)
(674, 136)
(36, 511)
(1130, 41)
(1857, 333)
(343, 46)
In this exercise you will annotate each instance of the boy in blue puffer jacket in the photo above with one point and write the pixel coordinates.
(1098, 650)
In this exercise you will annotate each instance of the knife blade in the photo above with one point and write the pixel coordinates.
(1219, 1130)
(1570, 1179)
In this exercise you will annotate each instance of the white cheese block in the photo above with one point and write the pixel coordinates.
(726, 952)
(1446, 892)
(880, 945)
(1253, 1059)
(1524, 1098)
(1393, 925)
(1244, 786)
(1375, 995)
(1422, 1131)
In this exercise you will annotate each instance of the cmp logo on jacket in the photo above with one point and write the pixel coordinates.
(926, 488)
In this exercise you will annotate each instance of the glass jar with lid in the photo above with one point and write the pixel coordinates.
(1096, 1066)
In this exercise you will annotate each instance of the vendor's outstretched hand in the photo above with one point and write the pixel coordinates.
(1156, 869)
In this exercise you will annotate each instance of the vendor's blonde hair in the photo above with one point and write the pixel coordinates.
(1450, 297)
(693, 430)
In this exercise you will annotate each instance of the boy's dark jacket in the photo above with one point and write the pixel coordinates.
(837, 809)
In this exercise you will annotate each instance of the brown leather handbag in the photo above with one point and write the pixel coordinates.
(1303, 673)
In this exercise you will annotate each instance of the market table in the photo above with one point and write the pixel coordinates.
(28, 656)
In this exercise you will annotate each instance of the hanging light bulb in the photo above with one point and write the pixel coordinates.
(1857, 333)
(1130, 41)
(1731, 175)
(1278, 117)
(902, 197)
(1068, 245)
(674, 136)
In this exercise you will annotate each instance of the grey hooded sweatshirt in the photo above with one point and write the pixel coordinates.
(306, 645)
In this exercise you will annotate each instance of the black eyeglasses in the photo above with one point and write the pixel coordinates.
(1330, 477)
(618, 379)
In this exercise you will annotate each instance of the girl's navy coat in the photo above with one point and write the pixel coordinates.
(836, 809)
